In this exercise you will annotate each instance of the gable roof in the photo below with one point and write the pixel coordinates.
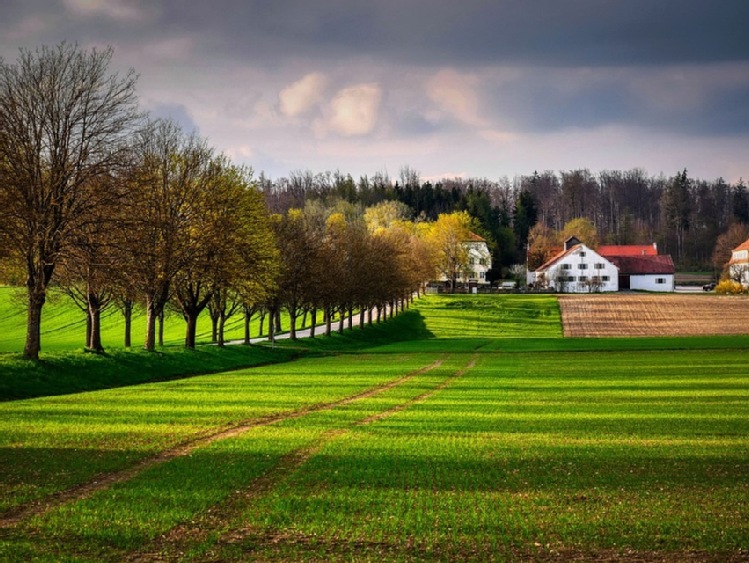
(628, 250)
(473, 237)
(562, 254)
(661, 264)
(743, 246)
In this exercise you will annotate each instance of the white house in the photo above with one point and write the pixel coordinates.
(578, 269)
(478, 263)
(738, 266)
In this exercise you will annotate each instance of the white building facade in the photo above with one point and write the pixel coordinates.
(738, 267)
(479, 262)
(578, 269)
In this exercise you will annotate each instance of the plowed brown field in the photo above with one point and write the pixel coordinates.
(654, 315)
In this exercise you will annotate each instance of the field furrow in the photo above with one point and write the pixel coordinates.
(653, 315)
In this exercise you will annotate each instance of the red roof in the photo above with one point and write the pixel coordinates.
(743, 246)
(643, 264)
(561, 254)
(473, 237)
(628, 250)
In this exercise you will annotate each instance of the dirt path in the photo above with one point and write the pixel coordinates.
(654, 315)
(20, 513)
(222, 519)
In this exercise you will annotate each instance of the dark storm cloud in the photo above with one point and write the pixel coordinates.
(477, 32)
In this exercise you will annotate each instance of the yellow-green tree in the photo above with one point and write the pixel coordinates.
(583, 229)
(447, 236)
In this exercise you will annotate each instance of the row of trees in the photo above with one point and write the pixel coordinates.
(120, 210)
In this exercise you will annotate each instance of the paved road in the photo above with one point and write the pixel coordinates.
(302, 333)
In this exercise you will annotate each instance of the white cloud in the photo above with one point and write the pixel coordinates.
(456, 94)
(355, 110)
(118, 10)
(303, 95)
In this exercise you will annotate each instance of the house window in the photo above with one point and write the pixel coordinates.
(582, 253)
(599, 266)
(482, 261)
(605, 278)
(566, 266)
(660, 280)
(582, 266)
(583, 278)
(472, 261)
(569, 278)
(481, 275)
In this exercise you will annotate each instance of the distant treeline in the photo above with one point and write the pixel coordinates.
(684, 215)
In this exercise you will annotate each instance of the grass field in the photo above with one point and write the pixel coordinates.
(64, 326)
(468, 441)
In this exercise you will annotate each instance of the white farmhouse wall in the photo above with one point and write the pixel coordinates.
(578, 271)
(740, 273)
(652, 282)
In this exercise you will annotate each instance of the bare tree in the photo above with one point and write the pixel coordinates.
(165, 206)
(64, 121)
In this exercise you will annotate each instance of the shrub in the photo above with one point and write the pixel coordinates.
(730, 287)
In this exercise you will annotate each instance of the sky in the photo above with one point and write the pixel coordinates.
(469, 88)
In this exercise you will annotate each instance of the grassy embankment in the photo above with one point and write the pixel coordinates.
(485, 446)
(67, 368)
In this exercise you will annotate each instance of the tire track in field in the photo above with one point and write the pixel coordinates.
(17, 514)
(218, 519)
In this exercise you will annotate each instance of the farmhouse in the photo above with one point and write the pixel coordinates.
(738, 266)
(641, 267)
(477, 264)
(479, 260)
(578, 269)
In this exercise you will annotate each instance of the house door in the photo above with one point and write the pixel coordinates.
(623, 282)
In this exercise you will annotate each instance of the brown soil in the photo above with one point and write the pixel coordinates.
(654, 315)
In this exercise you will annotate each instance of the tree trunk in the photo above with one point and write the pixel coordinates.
(94, 324)
(151, 314)
(379, 313)
(191, 326)
(161, 327)
(292, 323)
(277, 316)
(328, 321)
(221, 325)
(214, 327)
(247, 319)
(34, 324)
(350, 317)
(362, 312)
(88, 328)
(128, 313)
(341, 321)
(369, 316)
(313, 318)
(262, 322)
(272, 327)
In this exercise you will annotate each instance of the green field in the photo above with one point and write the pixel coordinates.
(64, 326)
(478, 433)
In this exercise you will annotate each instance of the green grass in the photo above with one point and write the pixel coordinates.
(509, 448)
(65, 366)
(64, 326)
